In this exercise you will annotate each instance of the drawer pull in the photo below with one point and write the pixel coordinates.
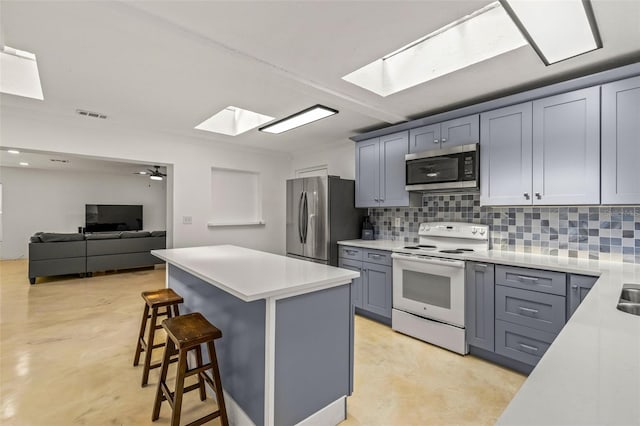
(523, 278)
(529, 310)
(351, 251)
(531, 348)
(375, 256)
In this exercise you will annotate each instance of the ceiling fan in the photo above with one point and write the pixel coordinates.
(153, 174)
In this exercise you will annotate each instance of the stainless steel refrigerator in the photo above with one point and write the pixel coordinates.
(320, 212)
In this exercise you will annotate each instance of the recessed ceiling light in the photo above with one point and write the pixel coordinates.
(483, 34)
(557, 30)
(13, 151)
(233, 121)
(22, 163)
(142, 173)
(19, 70)
(298, 119)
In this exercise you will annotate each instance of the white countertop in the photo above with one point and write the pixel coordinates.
(591, 372)
(251, 274)
(374, 244)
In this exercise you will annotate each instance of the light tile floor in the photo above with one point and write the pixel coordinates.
(66, 351)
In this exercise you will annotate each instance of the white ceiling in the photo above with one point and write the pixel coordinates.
(75, 163)
(168, 65)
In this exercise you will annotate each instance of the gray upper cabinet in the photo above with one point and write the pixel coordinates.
(424, 138)
(620, 144)
(393, 172)
(506, 156)
(545, 152)
(381, 172)
(460, 131)
(566, 148)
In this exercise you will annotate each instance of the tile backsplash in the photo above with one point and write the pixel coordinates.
(587, 232)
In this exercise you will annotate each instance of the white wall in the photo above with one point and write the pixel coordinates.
(189, 182)
(54, 200)
(339, 157)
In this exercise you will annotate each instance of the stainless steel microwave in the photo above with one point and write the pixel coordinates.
(454, 168)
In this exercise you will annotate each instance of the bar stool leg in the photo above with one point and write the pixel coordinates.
(216, 379)
(203, 393)
(143, 325)
(177, 399)
(175, 310)
(168, 351)
(147, 355)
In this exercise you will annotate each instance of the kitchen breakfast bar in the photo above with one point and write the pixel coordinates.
(286, 353)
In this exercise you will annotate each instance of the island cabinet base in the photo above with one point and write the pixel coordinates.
(283, 361)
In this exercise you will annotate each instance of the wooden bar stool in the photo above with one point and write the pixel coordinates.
(154, 300)
(185, 333)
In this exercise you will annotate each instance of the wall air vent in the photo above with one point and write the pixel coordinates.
(56, 160)
(91, 114)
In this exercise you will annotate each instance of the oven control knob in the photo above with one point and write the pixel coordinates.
(474, 231)
(482, 232)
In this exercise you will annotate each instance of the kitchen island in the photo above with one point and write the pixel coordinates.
(286, 355)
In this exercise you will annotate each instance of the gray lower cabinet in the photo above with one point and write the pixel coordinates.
(579, 286)
(515, 313)
(381, 172)
(620, 147)
(522, 343)
(356, 284)
(479, 305)
(533, 309)
(459, 131)
(372, 292)
(377, 289)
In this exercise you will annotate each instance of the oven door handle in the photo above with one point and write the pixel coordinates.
(429, 259)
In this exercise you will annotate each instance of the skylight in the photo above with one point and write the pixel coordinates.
(233, 121)
(19, 73)
(485, 33)
(557, 30)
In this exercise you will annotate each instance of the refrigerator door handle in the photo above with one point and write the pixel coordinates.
(300, 217)
(305, 212)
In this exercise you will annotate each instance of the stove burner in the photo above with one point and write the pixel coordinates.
(464, 249)
(411, 248)
(426, 246)
(456, 251)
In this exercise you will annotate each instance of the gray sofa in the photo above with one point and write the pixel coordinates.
(61, 254)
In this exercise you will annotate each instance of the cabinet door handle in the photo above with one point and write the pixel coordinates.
(574, 287)
(531, 311)
(531, 348)
(381, 200)
(436, 141)
(376, 200)
(481, 266)
(538, 196)
(526, 196)
(523, 278)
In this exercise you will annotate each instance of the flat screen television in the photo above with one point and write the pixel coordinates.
(111, 217)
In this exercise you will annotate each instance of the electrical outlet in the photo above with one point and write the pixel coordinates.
(186, 220)
(398, 223)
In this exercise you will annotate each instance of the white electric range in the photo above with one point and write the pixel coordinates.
(428, 282)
